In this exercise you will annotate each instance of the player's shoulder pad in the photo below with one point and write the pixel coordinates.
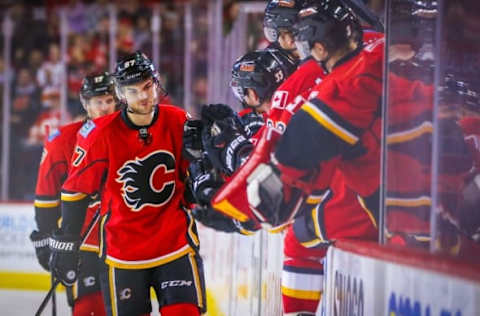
(54, 135)
(95, 126)
(65, 131)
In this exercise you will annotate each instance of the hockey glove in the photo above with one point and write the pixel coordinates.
(272, 202)
(40, 242)
(64, 261)
(192, 139)
(213, 219)
(215, 112)
(204, 181)
(226, 145)
(252, 122)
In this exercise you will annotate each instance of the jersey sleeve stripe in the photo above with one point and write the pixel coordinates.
(414, 202)
(46, 204)
(367, 210)
(311, 243)
(405, 136)
(327, 122)
(316, 223)
(73, 197)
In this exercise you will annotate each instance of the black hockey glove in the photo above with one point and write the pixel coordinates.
(252, 122)
(204, 181)
(192, 139)
(274, 204)
(214, 219)
(215, 112)
(40, 242)
(64, 261)
(226, 145)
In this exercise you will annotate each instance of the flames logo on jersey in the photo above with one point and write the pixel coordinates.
(148, 181)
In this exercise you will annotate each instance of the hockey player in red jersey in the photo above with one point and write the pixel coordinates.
(362, 80)
(97, 97)
(255, 76)
(279, 18)
(148, 239)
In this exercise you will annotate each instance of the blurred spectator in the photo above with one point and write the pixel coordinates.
(25, 105)
(49, 76)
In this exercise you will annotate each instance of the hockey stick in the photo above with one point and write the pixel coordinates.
(56, 282)
(54, 298)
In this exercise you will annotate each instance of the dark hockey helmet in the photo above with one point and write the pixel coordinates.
(96, 85)
(134, 68)
(262, 71)
(280, 14)
(316, 22)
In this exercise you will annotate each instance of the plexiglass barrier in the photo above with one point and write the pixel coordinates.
(430, 119)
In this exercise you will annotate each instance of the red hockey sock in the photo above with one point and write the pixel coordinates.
(89, 305)
(182, 309)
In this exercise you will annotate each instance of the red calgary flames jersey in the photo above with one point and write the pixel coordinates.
(142, 175)
(54, 164)
(53, 169)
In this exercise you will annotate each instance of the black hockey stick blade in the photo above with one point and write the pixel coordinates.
(364, 13)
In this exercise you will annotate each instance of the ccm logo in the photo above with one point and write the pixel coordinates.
(176, 283)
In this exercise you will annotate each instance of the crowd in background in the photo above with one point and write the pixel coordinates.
(37, 67)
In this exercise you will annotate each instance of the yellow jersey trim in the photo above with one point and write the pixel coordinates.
(329, 124)
(196, 277)
(46, 204)
(367, 210)
(145, 264)
(420, 201)
(227, 208)
(73, 197)
(401, 137)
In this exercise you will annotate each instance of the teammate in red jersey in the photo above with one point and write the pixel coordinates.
(339, 127)
(97, 97)
(255, 76)
(148, 239)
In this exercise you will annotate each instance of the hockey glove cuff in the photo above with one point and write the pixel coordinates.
(204, 182)
(40, 242)
(192, 139)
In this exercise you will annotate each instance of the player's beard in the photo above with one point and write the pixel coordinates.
(141, 109)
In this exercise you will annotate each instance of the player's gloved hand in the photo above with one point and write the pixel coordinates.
(64, 261)
(214, 112)
(192, 139)
(204, 181)
(274, 203)
(226, 145)
(40, 242)
(252, 122)
(214, 219)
